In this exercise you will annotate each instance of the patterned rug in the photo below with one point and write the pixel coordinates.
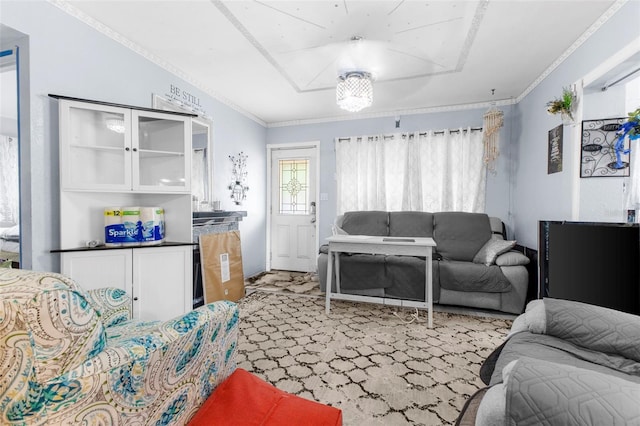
(366, 359)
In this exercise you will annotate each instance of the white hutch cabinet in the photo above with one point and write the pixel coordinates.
(115, 156)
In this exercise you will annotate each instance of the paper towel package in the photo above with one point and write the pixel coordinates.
(152, 219)
(133, 226)
(112, 224)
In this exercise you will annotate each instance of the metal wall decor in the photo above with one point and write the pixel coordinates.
(238, 185)
(597, 150)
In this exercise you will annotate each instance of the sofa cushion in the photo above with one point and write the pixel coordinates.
(246, 400)
(374, 223)
(459, 235)
(362, 271)
(593, 327)
(492, 249)
(411, 224)
(468, 276)
(407, 273)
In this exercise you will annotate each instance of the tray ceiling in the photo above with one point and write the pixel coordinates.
(277, 61)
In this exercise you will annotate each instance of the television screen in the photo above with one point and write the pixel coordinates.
(591, 262)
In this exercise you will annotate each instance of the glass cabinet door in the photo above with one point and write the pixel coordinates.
(160, 146)
(95, 146)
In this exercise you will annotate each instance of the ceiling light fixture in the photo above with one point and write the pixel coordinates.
(354, 91)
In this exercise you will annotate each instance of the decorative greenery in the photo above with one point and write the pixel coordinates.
(563, 105)
(630, 129)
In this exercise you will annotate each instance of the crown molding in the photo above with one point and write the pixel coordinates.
(446, 108)
(107, 31)
(98, 26)
(584, 37)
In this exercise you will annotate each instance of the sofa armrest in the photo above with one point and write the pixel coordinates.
(589, 326)
(543, 392)
(512, 258)
(208, 335)
(113, 304)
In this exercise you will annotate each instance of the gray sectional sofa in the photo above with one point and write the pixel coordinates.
(563, 363)
(473, 265)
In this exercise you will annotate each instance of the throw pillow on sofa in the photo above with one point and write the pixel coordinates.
(492, 249)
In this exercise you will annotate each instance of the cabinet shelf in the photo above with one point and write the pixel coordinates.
(148, 153)
(96, 147)
(145, 161)
(123, 247)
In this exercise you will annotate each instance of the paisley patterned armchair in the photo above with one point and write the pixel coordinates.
(70, 357)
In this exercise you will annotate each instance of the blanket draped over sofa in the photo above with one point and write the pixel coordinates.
(472, 264)
(563, 362)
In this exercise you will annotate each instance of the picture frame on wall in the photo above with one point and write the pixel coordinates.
(597, 149)
(554, 153)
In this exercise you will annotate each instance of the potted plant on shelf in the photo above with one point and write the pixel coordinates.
(563, 105)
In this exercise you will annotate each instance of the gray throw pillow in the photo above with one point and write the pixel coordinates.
(491, 249)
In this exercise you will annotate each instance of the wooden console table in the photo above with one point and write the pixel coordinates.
(408, 246)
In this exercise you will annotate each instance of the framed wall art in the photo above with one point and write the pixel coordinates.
(597, 150)
(554, 154)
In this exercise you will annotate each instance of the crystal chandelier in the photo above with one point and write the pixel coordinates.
(354, 91)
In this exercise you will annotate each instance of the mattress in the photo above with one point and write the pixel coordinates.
(10, 243)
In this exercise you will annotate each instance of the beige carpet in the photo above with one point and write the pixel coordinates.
(365, 359)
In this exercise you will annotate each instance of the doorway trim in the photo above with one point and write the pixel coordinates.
(294, 145)
(616, 59)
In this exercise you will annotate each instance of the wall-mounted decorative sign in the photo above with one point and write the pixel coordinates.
(554, 154)
(185, 100)
(598, 153)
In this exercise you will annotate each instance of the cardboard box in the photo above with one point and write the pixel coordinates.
(221, 263)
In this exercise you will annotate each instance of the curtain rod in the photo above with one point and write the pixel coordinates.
(441, 132)
(437, 132)
(606, 86)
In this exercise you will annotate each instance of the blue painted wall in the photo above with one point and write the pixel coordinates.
(521, 192)
(69, 58)
(539, 196)
(498, 203)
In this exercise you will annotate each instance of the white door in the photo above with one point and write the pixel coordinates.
(293, 209)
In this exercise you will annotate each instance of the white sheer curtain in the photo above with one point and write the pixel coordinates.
(423, 171)
(9, 186)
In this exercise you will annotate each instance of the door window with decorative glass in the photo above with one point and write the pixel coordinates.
(294, 186)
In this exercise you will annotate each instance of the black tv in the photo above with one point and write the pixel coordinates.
(591, 262)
